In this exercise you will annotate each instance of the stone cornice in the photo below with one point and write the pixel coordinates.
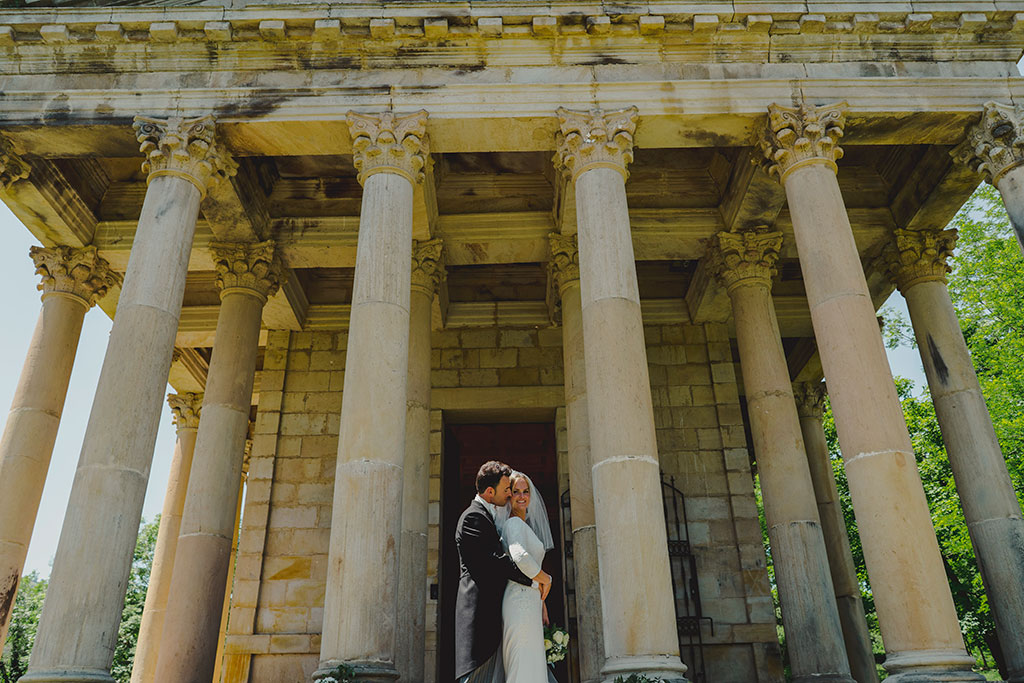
(73, 271)
(995, 144)
(427, 269)
(386, 143)
(12, 167)
(797, 136)
(185, 148)
(382, 21)
(916, 256)
(595, 139)
(250, 267)
(810, 398)
(565, 260)
(185, 409)
(744, 258)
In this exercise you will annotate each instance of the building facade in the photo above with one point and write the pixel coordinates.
(617, 245)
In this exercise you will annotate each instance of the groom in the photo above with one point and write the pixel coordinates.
(486, 569)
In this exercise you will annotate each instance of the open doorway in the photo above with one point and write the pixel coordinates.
(529, 447)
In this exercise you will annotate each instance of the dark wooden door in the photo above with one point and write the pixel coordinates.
(527, 447)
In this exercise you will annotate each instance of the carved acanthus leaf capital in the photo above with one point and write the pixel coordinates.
(745, 258)
(186, 408)
(79, 272)
(995, 144)
(797, 136)
(916, 256)
(810, 398)
(427, 269)
(595, 139)
(565, 260)
(250, 266)
(385, 143)
(185, 148)
(12, 167)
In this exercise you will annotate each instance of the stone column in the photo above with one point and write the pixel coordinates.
(78, 627)
(565, 269)
(918, 263)
(361, 603)
(185, 408)
(427, 273)
(72, 281)
(995, 148)
(247, 275)
(222, 631)
(640, 634)
(912, 598)
(745, 264)
(810, 399)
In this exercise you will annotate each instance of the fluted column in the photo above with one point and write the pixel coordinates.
(78, 628)
(72, 281)
(810, 398)
(995, 148)
(912, 598)
(918, 263)
(639, 623)
(565, 269)
(361, 603)
(745, 263)
(185, 408)
(247, 274)
(427, 273)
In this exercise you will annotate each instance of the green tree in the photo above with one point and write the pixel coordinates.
(21, 634)
(28, 605)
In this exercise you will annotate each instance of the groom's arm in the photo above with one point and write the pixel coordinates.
(483, 553)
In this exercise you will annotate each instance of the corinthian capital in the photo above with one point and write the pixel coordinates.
(594, 139)
(78, 272)
(385, 143)
(797, 136)
(250, 266)
(995, 144)
(747, 257)
(427, 269)
(12, 167)
(919, 256)
(185, 148)
(810, 398)
(185, 409)
(565, 260)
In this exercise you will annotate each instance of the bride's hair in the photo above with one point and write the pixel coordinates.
(536, 513)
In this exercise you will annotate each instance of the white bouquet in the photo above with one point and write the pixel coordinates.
(556, 643)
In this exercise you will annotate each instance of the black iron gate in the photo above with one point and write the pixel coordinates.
(689, 616)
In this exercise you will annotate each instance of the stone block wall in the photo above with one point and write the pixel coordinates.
(277, 605)
(701, 441)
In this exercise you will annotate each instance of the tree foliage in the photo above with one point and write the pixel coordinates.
(28, 605)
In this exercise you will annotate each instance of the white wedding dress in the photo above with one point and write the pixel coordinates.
(522, 643)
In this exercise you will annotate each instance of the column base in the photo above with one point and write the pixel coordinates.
(365, 672)
(68, 676)
(824, 678)
(666, 667)
(931, 666)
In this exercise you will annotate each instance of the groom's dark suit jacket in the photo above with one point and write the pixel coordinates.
(486, 569)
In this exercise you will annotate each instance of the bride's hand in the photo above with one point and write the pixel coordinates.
(545, 620)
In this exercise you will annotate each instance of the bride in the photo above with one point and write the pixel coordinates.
(526, 534)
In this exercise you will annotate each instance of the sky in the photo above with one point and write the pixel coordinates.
(18, 278)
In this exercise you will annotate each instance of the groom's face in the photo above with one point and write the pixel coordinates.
(502, 492)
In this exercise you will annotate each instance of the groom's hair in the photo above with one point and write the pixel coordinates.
(490, 474)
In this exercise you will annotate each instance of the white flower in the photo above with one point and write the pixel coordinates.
(547, 644)
(559, 637)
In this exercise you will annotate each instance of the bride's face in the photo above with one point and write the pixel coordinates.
(520, 497)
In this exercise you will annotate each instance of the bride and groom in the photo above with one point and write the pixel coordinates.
(500, 612)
